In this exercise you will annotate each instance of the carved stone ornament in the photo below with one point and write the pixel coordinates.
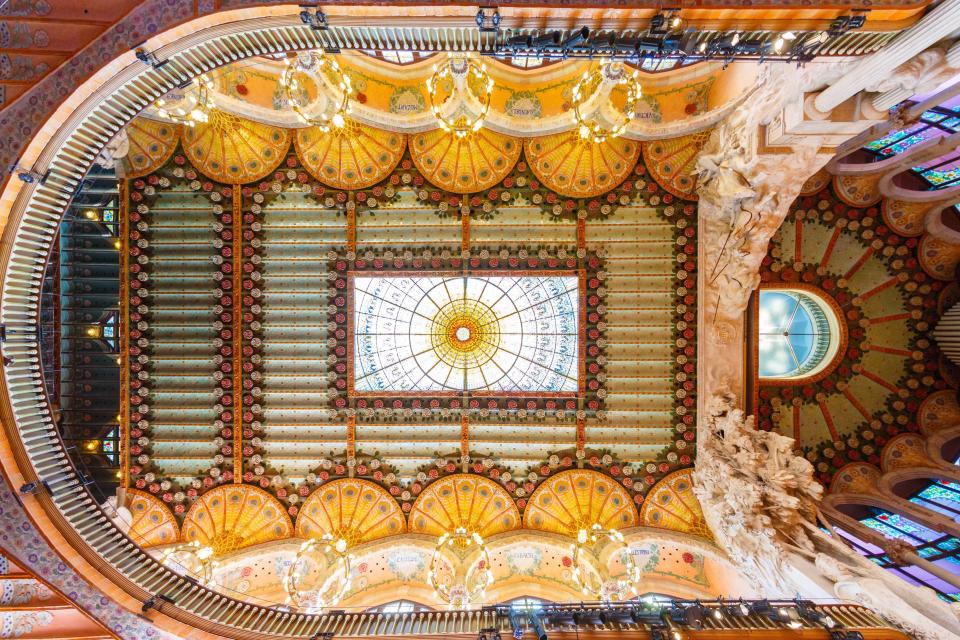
(922, 73)
(760, 499)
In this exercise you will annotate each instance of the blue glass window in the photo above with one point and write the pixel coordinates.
(940, 496)
(794, 334)
(109, 446)
(912, 574)
(939, 121)
(108, 330)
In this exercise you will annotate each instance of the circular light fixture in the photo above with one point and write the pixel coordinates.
(199, 104)
(466, 76)
(191, 559)
(313, 64)
(589, 83)
(594, 582)
(460, 588)
(319, 576)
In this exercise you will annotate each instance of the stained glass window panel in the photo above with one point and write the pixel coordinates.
(941, 496)
(794, 334)
(464, 333)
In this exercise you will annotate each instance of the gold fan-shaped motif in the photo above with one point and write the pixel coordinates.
(464, 165)
(234, 150)
(234, 516)
(671, 163)
(356, 510)
(152, 523)
(857, 477)
(151, 143)
(938, 411)
(905, 451)
(463, 500)
(858, 190)
(578, 168)
(353, 157)
(671, 504)
(578, 499)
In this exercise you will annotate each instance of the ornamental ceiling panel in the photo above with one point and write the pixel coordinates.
(355, 510)
(580, 168)
(672, 162)
(151, 522)
(150, 144)
(880, 287)
(464, 165)
(472, 502)
(234, 516)
(671, 504)
(235, 150)
(355, 157)
(578, 499)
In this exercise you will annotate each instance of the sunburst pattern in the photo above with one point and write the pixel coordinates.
(353, 157)
(461, 500)
(356, 510)
(235, 516)
(672, 162)
(151, 143)
(671, 504)
(152, 523)
(233, 150)
(464, 165)
(577, 499)
(578, 168)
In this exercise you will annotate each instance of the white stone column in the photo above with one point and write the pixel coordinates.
(921, 74)
(940, 23)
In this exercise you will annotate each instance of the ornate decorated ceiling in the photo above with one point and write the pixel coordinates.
(384, 330)
(882, 260)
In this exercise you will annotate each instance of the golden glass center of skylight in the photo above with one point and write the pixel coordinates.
(461, 333)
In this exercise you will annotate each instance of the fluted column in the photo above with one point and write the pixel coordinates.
(922, 74)
(940, 23)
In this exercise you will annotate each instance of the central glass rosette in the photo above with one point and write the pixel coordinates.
(454, 333)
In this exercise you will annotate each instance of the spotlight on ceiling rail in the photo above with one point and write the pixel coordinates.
(666, 20)
(488, 22)
(313, 17)
(30, 488)
(842, 24)
(546, 40)
(576, 38)
(29, 176)
(489, 633)
(843, 634)
(148, 57)
(155, 602)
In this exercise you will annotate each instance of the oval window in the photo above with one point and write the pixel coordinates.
(798, 334)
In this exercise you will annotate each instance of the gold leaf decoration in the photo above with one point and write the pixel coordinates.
(151, 143)
(152, 522)
(463, 500)
(578, 499)
(671, 504)
(234, 516)
(233, 150)
(578, 168)
(672, 162)
(356, 510)
(356, 156)
(464, 165)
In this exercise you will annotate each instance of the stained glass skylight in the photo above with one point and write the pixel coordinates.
(794, 334)
(449, 333)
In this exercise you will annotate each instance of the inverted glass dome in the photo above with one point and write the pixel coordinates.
(796, 334)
